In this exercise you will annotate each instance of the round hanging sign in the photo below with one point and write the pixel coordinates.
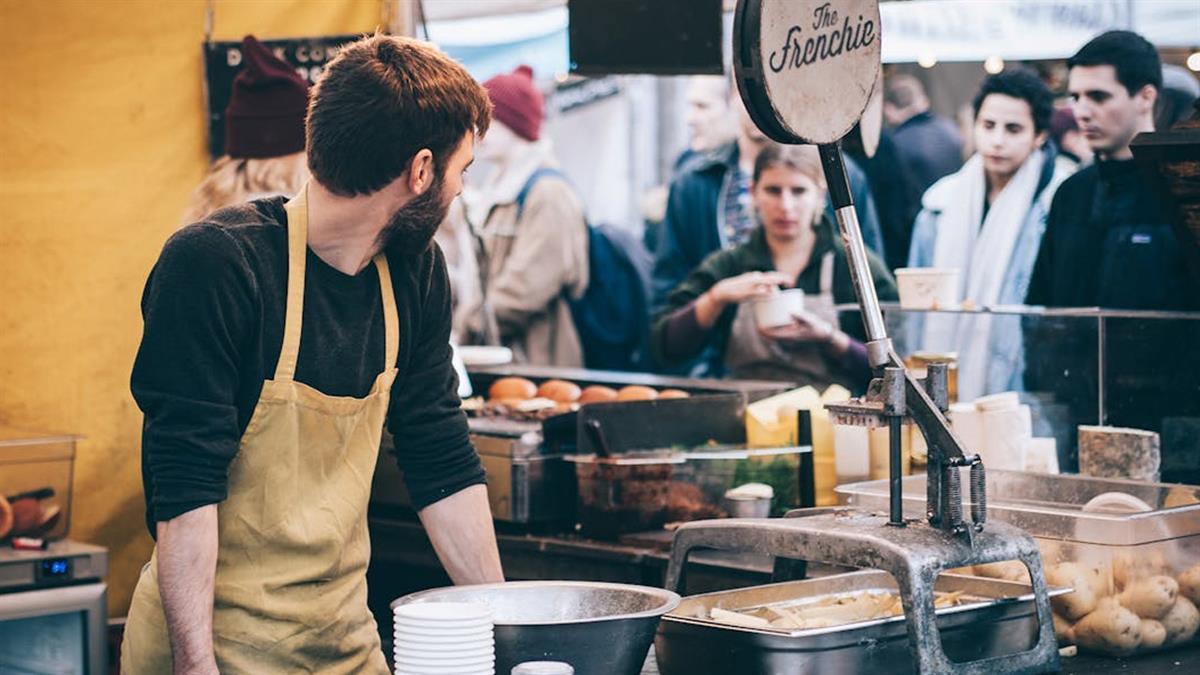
(806, 68)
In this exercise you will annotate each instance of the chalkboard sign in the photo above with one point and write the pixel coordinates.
(656, 37)
(223, 61)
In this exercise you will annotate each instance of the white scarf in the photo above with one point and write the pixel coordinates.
(981, 254)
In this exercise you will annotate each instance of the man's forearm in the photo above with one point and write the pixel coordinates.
(460, 528)
(187, 560)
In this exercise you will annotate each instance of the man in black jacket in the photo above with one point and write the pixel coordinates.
(1109, 243)
(1109, 240)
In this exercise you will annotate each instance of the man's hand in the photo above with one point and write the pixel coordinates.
(187, 563)
(460, 528)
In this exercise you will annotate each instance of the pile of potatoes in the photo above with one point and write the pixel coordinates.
(1132, 603)
(1135, 603)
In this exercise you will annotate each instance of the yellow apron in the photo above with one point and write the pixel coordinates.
(291, 589)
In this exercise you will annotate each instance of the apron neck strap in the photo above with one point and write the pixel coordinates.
(391, 321)
(297, 217)
(297, 229)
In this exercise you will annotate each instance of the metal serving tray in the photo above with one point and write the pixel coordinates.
(997, 619)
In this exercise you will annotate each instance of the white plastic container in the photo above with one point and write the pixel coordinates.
(928, 287)
(851, 453)
(968, 425)
(778, 309)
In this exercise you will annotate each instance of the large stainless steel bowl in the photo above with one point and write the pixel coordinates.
(599, 628)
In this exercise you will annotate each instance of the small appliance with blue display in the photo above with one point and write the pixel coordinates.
(53, 610)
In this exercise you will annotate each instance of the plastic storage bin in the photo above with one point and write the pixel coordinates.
(1131, 551)
(36, 471)
(641, 491)
(713, 473)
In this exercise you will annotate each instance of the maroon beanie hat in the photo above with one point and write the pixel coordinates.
(1062, 121)
(517, 102)
(265, 115)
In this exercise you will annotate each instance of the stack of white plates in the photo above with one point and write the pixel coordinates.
(443, 638)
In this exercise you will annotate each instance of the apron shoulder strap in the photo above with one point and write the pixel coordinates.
(391, 320)
(297, 232)
(826, 273)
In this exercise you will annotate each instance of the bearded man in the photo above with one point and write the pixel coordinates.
(280, 336)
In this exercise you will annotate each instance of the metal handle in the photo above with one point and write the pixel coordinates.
(856, 253)
(596, 431)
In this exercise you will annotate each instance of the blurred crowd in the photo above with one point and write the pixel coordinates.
(1037, 201)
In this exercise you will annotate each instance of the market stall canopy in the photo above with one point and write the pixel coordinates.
(970, 30)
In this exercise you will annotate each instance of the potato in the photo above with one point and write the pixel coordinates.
(1153, 634)
(1065, 631)
(1130, 567)
(1111, 629)
(1189, 583)
(1084, 598)
(1180, 621)
(1150, 598)
(1008, 570)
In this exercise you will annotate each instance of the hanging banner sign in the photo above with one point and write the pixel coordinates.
(816, 61)
(223, 61)
(970, 30)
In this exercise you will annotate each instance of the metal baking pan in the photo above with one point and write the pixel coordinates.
(997, 618)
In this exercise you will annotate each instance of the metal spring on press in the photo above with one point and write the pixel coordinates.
(978, 494)
(933, 495)
(953, 505)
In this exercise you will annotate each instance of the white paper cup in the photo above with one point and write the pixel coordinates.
(928, 287)
(778, 309)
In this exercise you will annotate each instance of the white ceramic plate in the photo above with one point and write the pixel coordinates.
(426, 668)
(484, 634)
(424, 642)
(455, 612)
(479, 355)
(421, 656)
(443, 628)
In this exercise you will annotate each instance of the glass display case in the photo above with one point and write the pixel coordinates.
(1072, 366)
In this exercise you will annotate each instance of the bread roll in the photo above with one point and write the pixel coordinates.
(512, 388)
(673, 393)
(636, 392)
(598, 394)
(559, 391)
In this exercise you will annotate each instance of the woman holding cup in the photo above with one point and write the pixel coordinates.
(764, 309)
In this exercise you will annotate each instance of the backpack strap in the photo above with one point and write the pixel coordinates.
(533, 178)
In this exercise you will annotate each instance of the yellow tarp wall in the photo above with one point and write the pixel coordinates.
(102, 138)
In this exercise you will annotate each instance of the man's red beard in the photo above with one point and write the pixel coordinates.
(412, 227)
